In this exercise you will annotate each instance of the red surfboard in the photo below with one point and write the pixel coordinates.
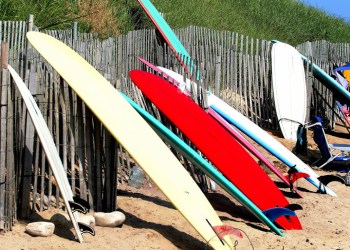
(216, 144)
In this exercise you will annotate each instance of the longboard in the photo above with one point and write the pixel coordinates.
(177, 80)
(340, 93)
(50, 151)
(135, 135)
(202, 164)
(289, 88)
(215, 143)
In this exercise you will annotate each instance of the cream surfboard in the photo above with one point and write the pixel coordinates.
(135, 135)
(289, 88)
(51, 154)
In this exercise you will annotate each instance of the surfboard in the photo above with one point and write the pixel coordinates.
(168, 35)
(202, 164)
(261, 137)
(289, 88)
(51, 153)
(340, 93)
(215, 143)
(163, 27)
(177, 80)
(135, 135)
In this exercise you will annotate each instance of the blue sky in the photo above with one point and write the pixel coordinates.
(340, 8)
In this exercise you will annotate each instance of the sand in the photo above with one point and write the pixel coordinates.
(153, 223)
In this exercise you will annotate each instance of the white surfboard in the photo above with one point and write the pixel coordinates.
(289, 88)
(49, 148)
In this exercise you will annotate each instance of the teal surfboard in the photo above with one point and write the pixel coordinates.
(163, 27)
(202, 164)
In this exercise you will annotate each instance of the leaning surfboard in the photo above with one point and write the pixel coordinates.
(341, 94)
(135, 135)
(52, 156)
(202, 164)
(289, 88)
(163, 27)
(259, 135)
(216, 144)
(177, 80)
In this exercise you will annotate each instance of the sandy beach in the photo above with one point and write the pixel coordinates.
(153, 223)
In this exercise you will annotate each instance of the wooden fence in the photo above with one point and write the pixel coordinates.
(234, 67)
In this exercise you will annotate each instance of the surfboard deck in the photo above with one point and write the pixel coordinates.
(134, 134)
(202, 164)
(49, 149)
(215, 143)
(289, 88)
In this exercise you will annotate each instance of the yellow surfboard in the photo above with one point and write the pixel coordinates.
(134, 134)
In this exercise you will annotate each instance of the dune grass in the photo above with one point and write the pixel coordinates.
(285, 20)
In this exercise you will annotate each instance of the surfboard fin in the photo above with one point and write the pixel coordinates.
(326, 179)
(292, 176)
(223, 230)
(75, 206)
(276, 212)
(82, 202)
(84, 228)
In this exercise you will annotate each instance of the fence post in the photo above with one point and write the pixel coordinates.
(28, 148)
(75, 31)
(3, 131)
(30, 22)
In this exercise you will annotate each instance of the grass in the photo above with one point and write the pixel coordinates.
(284, 20)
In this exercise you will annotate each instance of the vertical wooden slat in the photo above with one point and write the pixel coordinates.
(90, 158)
(71, 128)
(56, 125)
(27, 164)
(3, 129)
(98, 162)
(79, 135)
(10, 163)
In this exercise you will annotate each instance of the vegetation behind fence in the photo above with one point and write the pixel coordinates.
(235, 67)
